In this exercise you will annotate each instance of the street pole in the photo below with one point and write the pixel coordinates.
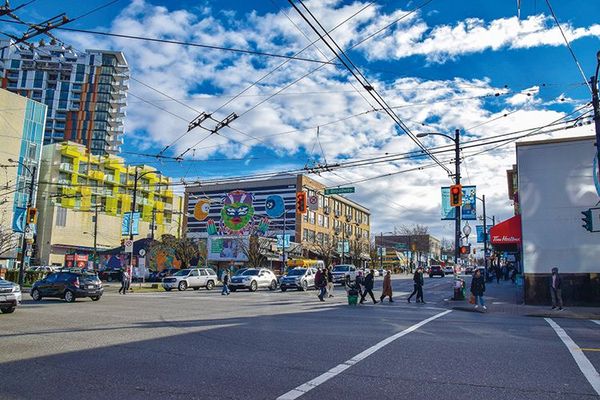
(95, 234)
(485, 239)
(381, 253)
(457, 208)
(24, 241)
(596, 105)
(283, 239)
(152, 226)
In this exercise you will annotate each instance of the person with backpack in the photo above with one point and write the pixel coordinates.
(321, 283)
(478, 288)
(225, 280)
(369, 281)
(418, 286)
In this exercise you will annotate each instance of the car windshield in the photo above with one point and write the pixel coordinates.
(297, 271)
(183, 272)
(340, 268)
(250, 272)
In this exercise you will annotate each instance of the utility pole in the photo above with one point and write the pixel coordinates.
(457, 215)
(283, 239)
(95, 234)
(24, 241)
(381, 253)
(485, 238)
(152, 226)
(596, 105)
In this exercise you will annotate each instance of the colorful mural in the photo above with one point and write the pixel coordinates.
(238, 216)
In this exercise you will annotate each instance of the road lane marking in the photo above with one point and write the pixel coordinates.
(595, 321)
(588, 349)
(582, 361)
(304, 388)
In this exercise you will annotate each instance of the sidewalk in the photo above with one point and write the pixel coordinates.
(502, 298)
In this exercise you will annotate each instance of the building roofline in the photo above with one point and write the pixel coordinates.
(558, 140)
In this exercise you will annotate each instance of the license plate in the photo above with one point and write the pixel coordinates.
(90, 286)
(2, 298)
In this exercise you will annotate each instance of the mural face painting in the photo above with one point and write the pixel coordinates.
(238, 216)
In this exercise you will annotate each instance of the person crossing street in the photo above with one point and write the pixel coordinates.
(368, 287)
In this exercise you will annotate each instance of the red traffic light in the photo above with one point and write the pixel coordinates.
(464, 249)
(301, 205)
(455, 195)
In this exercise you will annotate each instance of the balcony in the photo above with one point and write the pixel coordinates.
(97, 175)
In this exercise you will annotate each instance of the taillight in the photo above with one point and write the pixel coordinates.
(76, 282)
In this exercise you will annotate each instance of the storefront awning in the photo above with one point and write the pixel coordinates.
(506, 232)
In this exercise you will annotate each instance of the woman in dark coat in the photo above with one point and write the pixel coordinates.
(478, 288)
(418, 285)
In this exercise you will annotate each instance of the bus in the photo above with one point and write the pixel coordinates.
(305, 263)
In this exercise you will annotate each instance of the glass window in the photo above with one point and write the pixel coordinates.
(194, 272)
(61, 216)
(51, 278)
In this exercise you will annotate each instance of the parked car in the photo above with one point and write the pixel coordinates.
(469, 269)
(436, 270)
(448, 269)
(10, 296)
(253, 279)
(381, 271)
(194, 278)
(110, 275)
(68, 285)
(344, 272)
(157, 276)
(298, 278)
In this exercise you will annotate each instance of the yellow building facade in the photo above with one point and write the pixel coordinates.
(84, 199)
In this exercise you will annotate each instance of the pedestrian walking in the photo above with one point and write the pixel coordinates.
(321, 283)
(358, 282)
(225, 280)
(555, 290)
(329, 282)
(387, 287)
(478, 288)
(369, 281)
(418, 286)
(124, 282)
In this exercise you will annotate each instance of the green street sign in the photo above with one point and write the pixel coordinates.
(401, 246)
(341, 190)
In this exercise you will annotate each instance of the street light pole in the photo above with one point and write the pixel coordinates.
(596, 105)
(381, 253)
(457, 208)
(485, 238)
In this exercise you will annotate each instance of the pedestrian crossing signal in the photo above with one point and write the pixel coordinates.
(455, 195)
(31, 215)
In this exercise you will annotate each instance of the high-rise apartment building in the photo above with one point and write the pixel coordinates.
(85, 91)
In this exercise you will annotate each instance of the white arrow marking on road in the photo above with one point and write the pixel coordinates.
(302, 389)
(595, 321)
(586, 367)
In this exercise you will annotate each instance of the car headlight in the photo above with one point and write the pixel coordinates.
(16, 289)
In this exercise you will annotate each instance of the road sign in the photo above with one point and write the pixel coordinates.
(401, 246)
(313, 202)
(129, 246)
(28, 233)
(341, 190)
(142, 252)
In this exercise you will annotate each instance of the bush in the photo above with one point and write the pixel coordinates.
(30, 276)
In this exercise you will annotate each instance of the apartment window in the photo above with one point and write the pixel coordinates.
(15, 64)
(24, 78)
(319, 220)
(326, 222)
(311, 217)
(61, 217)
(305, 234)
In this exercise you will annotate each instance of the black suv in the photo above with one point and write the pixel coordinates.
(68, 285)
(436, 270)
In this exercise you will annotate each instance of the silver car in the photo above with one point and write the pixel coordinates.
(343, 273)
(254, 278)
(191, 278)
(298, 278)
(10, 296)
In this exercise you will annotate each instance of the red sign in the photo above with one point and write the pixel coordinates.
(507, 232)
(78, 260)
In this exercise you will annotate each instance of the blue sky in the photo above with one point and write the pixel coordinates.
(441, 65)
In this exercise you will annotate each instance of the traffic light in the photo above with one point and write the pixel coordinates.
(31, 215)
(465, 249)
(587, 219)
(455, 195)
(301, 205)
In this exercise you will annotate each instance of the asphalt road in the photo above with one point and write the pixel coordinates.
(263, 345)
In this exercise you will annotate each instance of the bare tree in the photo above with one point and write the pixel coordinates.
(184, 249)
(256, 249)
(9, 240)
(326, 249)
(373, 251)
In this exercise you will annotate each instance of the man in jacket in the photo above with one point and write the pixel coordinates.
(418, 286)
(478, 288)
(555, 290)
(321, 283)
(329, 282)
(369, 280)
(225, 279)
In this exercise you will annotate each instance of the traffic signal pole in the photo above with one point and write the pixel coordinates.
(25, 224)
(596, 105)
(457, 215)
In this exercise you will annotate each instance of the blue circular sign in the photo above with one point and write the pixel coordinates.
(274, 206)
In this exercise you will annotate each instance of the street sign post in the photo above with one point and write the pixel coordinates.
(341, 190)
(313, 202)
(129, 246)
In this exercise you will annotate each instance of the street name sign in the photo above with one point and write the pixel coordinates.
(341, 190)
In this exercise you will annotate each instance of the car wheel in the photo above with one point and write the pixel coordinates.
(233, 289)
(95, 298)
(253, 286)
(168, 289)
(182, 286)
(36, 295)
(8, 310)
(305, 286)
(283, 288)
(69, 296)
(210, 285)
(273, 285)
(196, 288)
